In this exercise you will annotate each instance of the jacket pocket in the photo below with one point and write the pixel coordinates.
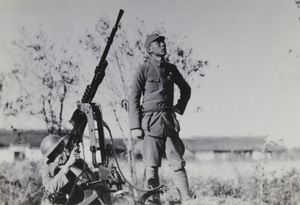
(152, 84)
(146, 122)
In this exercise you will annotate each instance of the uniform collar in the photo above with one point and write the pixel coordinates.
(156, 62)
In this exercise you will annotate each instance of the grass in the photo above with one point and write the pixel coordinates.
(231, 181)
(20, 183)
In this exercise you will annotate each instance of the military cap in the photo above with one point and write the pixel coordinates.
(152, 37)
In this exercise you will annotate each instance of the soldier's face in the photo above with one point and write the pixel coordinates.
(61, 158)
(158, 48)
(59, 154)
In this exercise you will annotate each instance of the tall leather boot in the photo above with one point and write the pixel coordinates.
(153, 182)
(181, 182)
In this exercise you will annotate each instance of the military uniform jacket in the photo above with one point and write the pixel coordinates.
(51, 180)
(154, 84)
(57, 184)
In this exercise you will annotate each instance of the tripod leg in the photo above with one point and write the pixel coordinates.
(107, 198)
(90, 199)
(145, 196)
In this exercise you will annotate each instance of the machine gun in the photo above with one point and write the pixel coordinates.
(90, 114)
(79, 119)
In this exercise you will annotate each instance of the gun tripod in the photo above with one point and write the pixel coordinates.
(101, 181)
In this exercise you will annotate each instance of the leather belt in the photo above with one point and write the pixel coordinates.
(164, 109)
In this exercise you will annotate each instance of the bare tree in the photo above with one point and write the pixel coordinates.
(298, 3)
(42, 81)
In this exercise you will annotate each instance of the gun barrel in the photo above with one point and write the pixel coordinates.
(100, 69)
(110, 39)
(90, 91)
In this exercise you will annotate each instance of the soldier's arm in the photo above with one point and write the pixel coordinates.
(53, 184)
(185, 91)
(137, 88)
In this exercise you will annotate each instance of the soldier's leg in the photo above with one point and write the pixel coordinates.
(181, 182)
(152, 177)
(152, 150)
(153, 181)
(174, 152)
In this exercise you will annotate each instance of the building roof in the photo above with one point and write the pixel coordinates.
(33, 137)
(230, 143)
(193, 144)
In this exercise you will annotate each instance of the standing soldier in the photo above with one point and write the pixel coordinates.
(154, 121)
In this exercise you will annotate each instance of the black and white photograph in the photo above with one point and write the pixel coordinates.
(134, 102)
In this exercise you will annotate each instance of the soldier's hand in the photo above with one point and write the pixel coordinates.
(138, 133)
(74, 156)
(176, 109)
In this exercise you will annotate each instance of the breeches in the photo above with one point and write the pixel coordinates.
(154, 148)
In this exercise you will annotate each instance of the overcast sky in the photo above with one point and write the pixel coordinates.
(253, 47)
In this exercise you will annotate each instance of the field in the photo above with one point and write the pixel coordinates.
(232, 180)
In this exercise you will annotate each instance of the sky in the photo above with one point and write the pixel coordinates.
(251, 87)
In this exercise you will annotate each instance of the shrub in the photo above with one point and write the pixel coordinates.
(20, 183)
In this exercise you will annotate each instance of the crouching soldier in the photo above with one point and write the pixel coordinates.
(60, 170)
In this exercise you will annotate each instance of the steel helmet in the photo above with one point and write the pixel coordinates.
(49, 143)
